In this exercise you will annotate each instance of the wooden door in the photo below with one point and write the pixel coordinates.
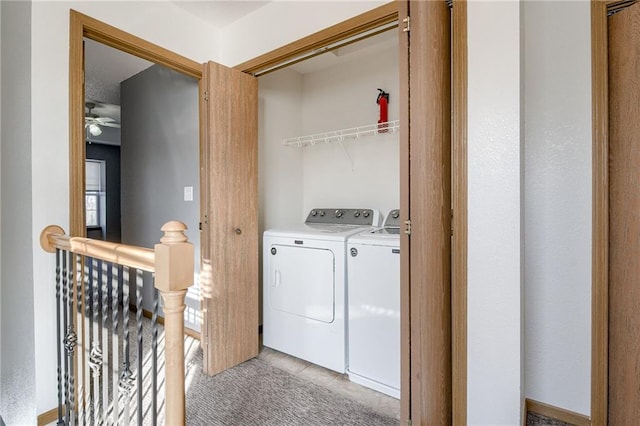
(229, 205)
(426, 203)
(624, 217)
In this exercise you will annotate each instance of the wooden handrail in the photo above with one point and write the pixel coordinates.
(172, 261)
(53, 237)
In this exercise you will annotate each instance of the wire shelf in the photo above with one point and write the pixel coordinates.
(377, 129)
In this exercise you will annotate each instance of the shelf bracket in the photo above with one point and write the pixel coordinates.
(346, 153)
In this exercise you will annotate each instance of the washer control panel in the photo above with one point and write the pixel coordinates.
(362, 217)
(393, 219)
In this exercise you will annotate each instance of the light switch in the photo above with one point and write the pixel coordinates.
(188, 193)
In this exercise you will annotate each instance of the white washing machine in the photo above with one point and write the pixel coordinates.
(374, 307)
(304, 298)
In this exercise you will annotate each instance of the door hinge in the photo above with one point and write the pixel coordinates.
(452, 222)
(407, 229)
(407, 21)
(206, 96)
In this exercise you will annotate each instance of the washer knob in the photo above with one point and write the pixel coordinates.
(356, 214)
(366, 213)
(395, 215)
(339, 213)
(314, 213)
(321, 212)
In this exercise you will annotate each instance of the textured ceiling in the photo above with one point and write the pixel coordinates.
(105, 67)
(220, 13)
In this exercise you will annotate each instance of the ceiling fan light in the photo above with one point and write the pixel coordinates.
(95, 130)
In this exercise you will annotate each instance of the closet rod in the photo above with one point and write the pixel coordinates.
(328, 48)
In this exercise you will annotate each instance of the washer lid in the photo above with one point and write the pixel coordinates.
(378, 237)
(317, 232)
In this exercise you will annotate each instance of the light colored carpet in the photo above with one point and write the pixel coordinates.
(534, 419)
(257, 393)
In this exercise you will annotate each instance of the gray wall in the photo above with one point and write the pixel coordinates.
(109, 136)
(159, 157)
(17, 345)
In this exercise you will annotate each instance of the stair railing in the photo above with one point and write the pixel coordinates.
(96, 383)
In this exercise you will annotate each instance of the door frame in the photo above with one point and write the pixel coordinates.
(82, 26)
(600, 216)
(459, 221)
(367, 21)
(600, 207)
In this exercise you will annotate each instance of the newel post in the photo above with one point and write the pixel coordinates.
(173, 276)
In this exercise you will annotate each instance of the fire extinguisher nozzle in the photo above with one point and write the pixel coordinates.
(382, 94)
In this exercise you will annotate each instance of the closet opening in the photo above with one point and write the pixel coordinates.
(328, 156)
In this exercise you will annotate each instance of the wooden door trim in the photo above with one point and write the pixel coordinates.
(82, 26)
(600, 206)
(459, 190)
(430, 179)
(600, 214)
(369, 20)
(405, 248)
(555, 413)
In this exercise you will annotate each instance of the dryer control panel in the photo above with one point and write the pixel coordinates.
(360, 217)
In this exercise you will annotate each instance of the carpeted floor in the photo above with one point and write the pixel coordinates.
(540, 420)
(257, 393)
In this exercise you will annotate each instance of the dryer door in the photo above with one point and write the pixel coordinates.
(302, 281)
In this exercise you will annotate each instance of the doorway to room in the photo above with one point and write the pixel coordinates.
(139, 171)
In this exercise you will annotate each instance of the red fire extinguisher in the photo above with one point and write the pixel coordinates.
(383, 102)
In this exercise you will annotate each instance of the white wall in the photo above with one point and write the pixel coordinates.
(18, 382)
(494, 209)
(0, 199)
(281, 22)
(294, 180)
(344, 96)
(279, 167)
(160, 22)
(557, 102)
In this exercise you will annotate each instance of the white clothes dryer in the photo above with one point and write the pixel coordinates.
(374, 307)
(304, 297)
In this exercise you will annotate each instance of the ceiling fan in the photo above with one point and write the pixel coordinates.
(93, 121)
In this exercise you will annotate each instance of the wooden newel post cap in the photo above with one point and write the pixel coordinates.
(174, 259)
(173, 232)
